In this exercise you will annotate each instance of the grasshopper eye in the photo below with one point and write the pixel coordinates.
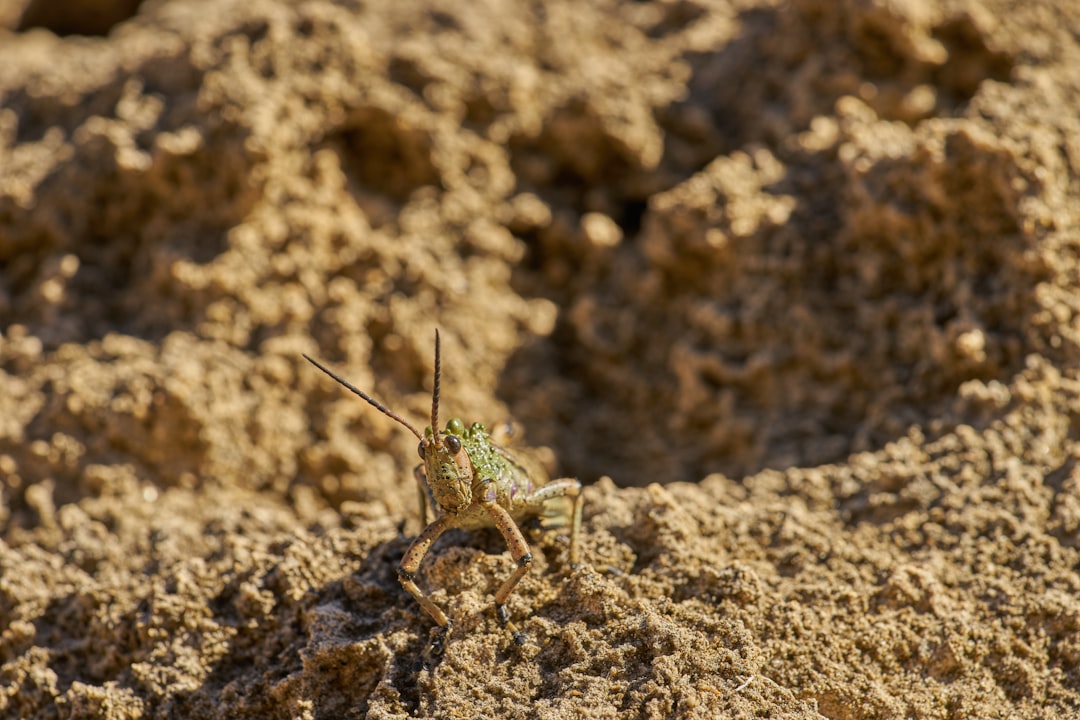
(453, 444)
(420, 450)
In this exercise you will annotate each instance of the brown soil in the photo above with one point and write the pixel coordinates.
(794, 286)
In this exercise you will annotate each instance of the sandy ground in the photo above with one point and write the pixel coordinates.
(794, 287)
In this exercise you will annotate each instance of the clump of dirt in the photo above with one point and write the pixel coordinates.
(792, 286)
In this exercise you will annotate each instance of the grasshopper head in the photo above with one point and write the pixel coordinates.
(448, 467)
(449, 470)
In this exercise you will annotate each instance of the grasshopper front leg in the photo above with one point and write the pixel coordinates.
(519, 550)
(410, 564)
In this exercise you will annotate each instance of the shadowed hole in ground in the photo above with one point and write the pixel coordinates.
(841, 308)
(808, 336)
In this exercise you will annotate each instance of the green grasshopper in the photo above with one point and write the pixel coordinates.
(471, 482)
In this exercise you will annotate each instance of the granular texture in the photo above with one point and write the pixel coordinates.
(792, 286)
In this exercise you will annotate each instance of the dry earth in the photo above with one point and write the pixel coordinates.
(793, 286)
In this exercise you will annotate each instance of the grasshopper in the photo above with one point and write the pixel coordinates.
(471, 482)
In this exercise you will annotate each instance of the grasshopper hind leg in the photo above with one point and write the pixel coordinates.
(553, 497)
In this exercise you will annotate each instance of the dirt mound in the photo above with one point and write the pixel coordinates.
(791, 286)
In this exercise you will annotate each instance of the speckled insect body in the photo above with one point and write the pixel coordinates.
(471, 482)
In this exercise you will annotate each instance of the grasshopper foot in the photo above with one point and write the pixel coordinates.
(519, 637)
(438, 643)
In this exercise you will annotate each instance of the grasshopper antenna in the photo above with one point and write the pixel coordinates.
(435, 393)
(375, 403)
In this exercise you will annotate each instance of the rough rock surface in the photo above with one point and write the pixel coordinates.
(793, 286)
